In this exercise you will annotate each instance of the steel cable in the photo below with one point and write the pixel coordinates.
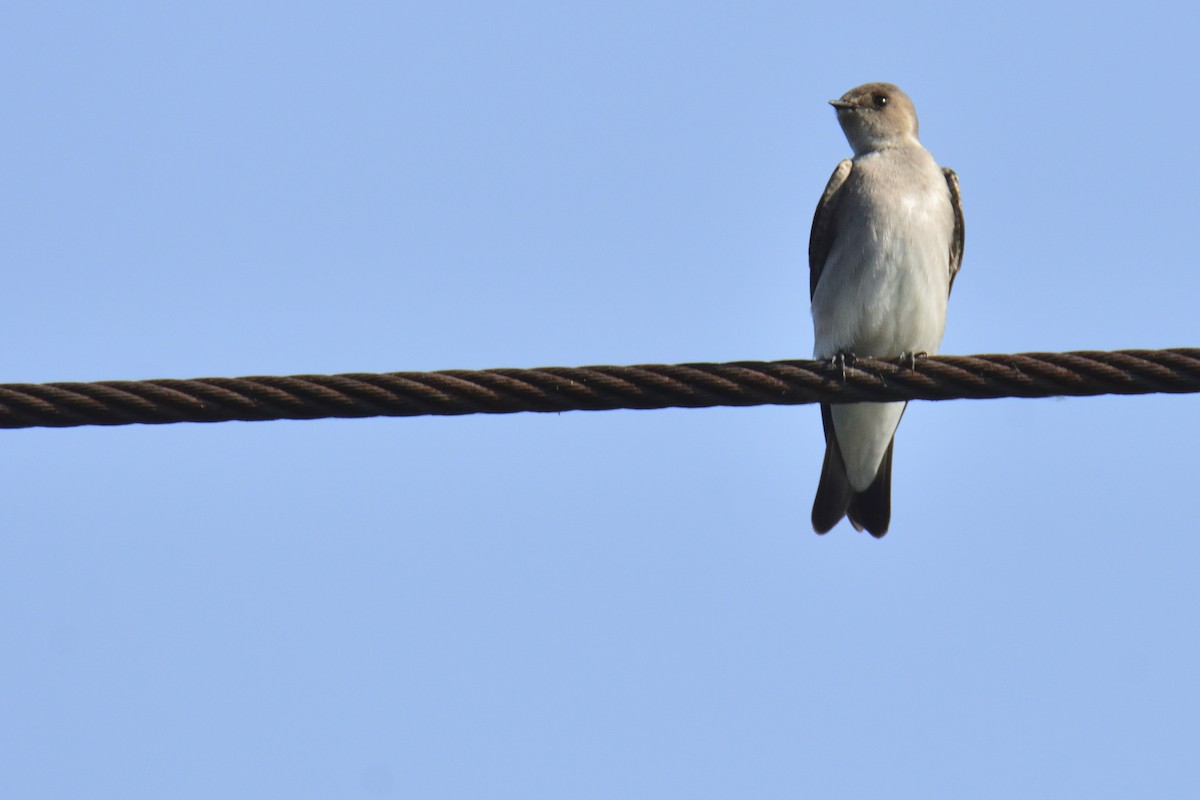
(554, 389)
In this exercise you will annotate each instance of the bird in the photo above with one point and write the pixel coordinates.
(886, 245)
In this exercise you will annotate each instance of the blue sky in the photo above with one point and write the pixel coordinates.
(583, 605)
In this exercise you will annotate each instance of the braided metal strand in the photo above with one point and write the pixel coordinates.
(646, 386)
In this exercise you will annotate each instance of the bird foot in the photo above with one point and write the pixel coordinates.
(841, 361)
(910, 359)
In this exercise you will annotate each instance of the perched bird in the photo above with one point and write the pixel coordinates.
(887, 241)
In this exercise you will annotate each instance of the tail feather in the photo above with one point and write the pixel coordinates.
(834, 492)
(870, 509)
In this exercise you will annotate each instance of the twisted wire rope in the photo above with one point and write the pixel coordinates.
(555, 389)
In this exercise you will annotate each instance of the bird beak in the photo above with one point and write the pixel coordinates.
(842, 105)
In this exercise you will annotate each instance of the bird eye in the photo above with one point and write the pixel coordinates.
(881, 100)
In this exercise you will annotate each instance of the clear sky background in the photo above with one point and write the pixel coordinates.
(585, 605)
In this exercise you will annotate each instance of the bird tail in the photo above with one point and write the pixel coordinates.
(870, 509)
(834, 492)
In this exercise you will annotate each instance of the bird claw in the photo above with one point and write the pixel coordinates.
(910, 359)
(841, 361)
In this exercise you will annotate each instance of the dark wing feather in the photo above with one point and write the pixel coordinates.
(956, 245)
(872, 509)
(824, 228)
(834, 492)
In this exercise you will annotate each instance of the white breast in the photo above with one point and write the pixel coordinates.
(885, 283)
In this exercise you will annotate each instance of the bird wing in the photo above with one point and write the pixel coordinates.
(824, 227)
(956, 244)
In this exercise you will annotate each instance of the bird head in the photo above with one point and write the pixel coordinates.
(875, 116)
